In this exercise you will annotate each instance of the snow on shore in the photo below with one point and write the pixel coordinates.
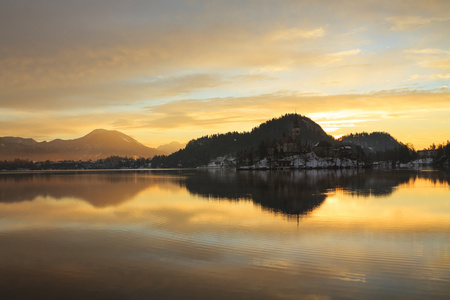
(305, 161)
(311, 161)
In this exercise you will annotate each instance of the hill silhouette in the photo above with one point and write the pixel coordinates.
(290, 134)
(200, 151)
(171, 147)
(372, 142)
(99, 143)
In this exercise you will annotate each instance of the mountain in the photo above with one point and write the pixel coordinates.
(200, 151)
(372, 142)
(100, 143)
(171, 147)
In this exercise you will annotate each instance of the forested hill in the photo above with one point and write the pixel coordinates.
(200, 151)
(372, 142)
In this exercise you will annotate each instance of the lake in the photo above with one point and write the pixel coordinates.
(195, 234)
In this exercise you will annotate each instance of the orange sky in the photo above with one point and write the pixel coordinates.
(176, 70)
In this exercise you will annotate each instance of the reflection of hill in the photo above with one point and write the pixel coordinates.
(300, 192)
(99, 189)
(383, 183)
(376, 184)
(288, 193)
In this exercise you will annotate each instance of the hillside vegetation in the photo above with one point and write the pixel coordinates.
(200, 151)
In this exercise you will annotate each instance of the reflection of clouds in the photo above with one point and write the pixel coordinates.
(349, 276)
(274, 263)
(137, 264)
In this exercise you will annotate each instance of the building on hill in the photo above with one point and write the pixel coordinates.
(296, 130)
(343, 151)
(323, 149)
(427, 153)
(283, 164)
(291, 144)
(288, 144)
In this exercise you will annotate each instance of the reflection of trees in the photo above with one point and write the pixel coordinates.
(290, 193)
(436, 176)
(300, 192)
(376, 184)
(383, 183)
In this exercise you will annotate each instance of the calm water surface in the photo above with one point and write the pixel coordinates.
(225, 235)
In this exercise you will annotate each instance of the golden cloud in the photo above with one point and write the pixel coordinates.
(190, 118)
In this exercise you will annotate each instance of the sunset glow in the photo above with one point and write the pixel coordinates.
(163, 71)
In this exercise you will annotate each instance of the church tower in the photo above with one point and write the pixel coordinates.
(296, 129)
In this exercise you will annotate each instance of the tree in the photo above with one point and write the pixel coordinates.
(262, 150)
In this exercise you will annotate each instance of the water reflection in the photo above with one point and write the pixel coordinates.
(97, 188)
(202, 235)
(289, 193)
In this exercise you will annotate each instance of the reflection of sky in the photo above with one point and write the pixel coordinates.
(421, 206)
(393, 246)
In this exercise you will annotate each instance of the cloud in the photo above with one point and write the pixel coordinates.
(346, 53)
(336, 57)
(117, 93)
(185, 119)
(407, 23)
(91, 58)
(430, 77)
(168, 66)
(296, 33)
(251, 110)
(428, 51)
(430, 57)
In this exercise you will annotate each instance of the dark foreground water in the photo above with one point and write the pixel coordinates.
(225, 235)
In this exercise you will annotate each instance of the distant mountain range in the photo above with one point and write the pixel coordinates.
(171, 147)
(100, 143)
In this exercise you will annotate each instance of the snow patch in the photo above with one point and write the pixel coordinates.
(304, 161)
(221, 162)
(417, 163)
